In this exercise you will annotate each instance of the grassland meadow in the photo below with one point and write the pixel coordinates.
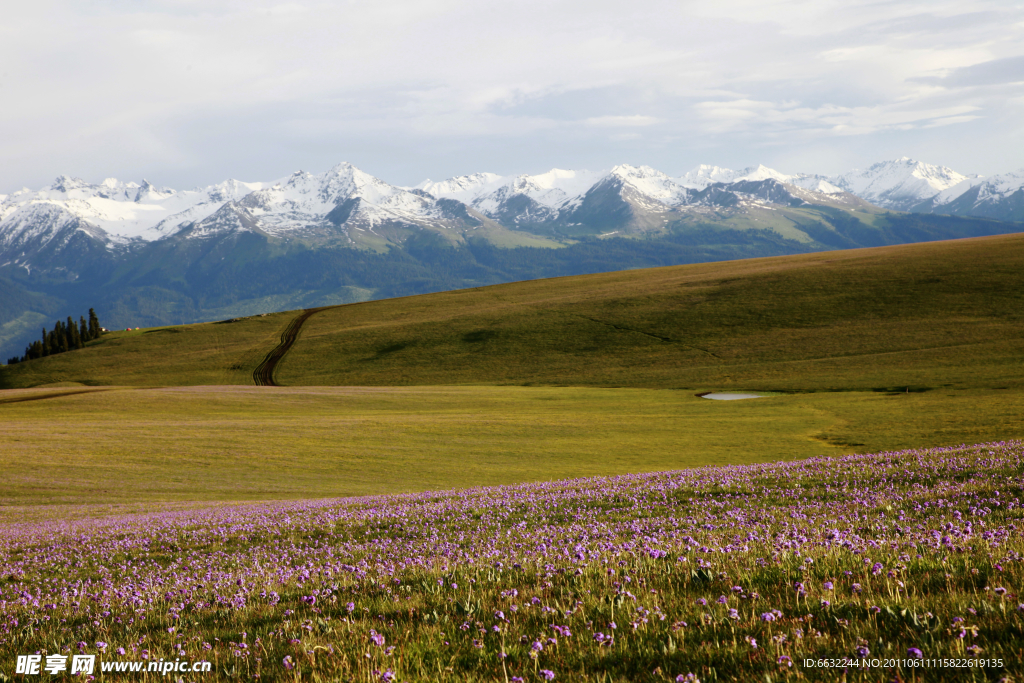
(893, 566)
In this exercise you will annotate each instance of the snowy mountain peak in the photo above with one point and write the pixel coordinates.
(899, 183)
(642, 172)
(704, 175)
(648, 184)
(66, 183)
(551, 191)
(1000, 197)
(762, 172)
(311, 194)
(117, 212)
(345, 181)
(465, 188)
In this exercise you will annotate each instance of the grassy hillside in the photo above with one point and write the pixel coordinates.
(925, 315)
(946, 314)
(209, 353)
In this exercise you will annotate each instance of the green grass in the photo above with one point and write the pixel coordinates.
(944, 314)
(926, 315)
(201, 354)
(124, 447)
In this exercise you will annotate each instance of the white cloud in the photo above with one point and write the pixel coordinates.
(189, 91)
(621, 121)
(773, 118)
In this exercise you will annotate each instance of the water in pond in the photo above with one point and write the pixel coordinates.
(730, 397)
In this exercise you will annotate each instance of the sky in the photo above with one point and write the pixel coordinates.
(187, 93)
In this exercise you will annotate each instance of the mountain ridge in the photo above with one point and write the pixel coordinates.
(119, 213)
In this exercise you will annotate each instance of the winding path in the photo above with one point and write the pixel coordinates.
(263, 375)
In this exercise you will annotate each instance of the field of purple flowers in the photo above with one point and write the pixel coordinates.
(894, 566)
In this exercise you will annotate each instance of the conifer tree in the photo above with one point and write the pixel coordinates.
(63, 337)
(74, 339)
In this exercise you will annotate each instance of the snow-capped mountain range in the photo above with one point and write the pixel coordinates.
(900, 184)
(345, 201)
(560, 190)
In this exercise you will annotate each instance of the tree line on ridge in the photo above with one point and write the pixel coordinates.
(65, 336)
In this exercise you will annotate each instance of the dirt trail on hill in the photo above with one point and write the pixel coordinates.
(263, 375)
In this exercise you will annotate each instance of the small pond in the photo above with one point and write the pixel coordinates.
(730, 397)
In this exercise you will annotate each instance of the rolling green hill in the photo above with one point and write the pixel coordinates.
(913, 316)
(927, 315)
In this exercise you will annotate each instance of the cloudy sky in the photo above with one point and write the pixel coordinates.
(190, 92)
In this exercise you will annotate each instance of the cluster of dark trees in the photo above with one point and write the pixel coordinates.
(63, 337)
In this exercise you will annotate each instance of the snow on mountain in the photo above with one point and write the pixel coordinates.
(954, 191)
(651, 184)
(545, 196)
(626, 199)
(761, 172)
(342, 195)
(32, 226)
(464, 188)
(553, 190)
(117, 211)
(989, 189)
(1000, 197)
(899, 184)
(704, 175)
(815, 183)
